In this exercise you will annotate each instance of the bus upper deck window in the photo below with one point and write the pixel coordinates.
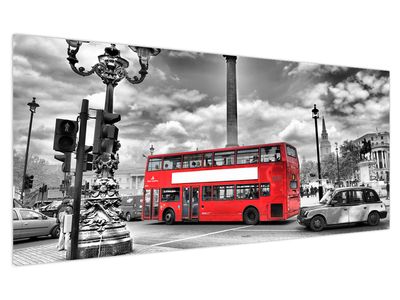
(270, 154)
(154, 164)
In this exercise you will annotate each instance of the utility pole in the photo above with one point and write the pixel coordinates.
(80, 154)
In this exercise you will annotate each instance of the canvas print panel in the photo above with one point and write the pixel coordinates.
(122, 149)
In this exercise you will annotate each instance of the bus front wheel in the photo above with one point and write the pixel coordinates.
(251, 216)
(169, 217)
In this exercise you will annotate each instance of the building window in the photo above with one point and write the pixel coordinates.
(154, 164)
(247, 156)
(223, 192)
(224, 158)
(192, 161)
(265, 189)
(247, 191)
(169, 195)
(172, 163)
(270, 154)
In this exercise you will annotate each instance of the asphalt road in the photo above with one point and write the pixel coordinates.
(152, 236)
(196, 235)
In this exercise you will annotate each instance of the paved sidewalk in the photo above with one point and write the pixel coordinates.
(49, 254)
(38, 255)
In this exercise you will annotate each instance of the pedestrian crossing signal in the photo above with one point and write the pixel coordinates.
(65, 135)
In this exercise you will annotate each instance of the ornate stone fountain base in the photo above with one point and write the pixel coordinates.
(115, 240)
(101, 230)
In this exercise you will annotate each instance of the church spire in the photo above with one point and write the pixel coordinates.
(324, 134)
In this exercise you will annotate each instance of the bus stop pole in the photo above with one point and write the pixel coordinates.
(80, 152)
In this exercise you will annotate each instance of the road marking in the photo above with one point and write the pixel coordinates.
(273, 230)
(199, 236)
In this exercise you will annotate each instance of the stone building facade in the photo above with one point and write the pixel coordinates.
(380, 153)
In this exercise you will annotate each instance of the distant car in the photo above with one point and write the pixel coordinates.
(131, 207)
(344, 206)
(40, 205)
(52, 209)
(28, 223)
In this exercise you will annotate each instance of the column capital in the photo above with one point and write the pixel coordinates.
(230, 57)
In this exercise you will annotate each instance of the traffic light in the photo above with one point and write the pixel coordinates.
(65, 135)
(66, 160)
(105, 133)
(28, 182)
(88, 159)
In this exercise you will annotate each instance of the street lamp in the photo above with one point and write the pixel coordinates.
(112, 68)
(151, 150)
(102, 212)
(315, 116)
(32, 108)
(337, 163)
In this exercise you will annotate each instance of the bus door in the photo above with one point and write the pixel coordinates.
(155, 204)
(147, 205)
(151, 204)
(190, 203)
(293, 190)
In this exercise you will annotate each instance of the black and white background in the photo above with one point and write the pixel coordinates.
(336, 33)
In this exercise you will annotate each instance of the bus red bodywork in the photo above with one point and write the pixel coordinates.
(191, 190)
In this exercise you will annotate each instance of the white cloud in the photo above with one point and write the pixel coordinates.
(312, 69)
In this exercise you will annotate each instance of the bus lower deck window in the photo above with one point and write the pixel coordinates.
(265, 189)
(247, 191)
(223, 192)
(171, 194)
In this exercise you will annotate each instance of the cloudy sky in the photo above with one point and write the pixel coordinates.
(181, 105)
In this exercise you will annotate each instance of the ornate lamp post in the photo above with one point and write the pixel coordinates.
(315, 116)
(100, 222)
(337, 163)
(151, 150)
(32, 107)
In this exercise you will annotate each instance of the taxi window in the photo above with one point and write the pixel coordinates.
(356, 197)
(371, 196)
(15, 217)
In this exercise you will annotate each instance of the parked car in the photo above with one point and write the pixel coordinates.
(344, 206)
(28, 223)
(40, 205)
(52, 209)
(131, 207)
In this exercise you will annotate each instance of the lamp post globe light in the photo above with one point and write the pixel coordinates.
(32, 108)
(100, 220)
(151, 150)
(337, 163)
(315, 116)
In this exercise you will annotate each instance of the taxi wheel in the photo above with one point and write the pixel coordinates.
(128, 217)
(169, 217)
(373, 218)
(317, 223)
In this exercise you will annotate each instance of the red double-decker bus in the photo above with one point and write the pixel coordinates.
(244, 183)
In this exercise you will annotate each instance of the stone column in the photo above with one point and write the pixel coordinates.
(231, 101)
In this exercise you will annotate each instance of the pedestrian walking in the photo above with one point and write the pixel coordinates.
(65, 209)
